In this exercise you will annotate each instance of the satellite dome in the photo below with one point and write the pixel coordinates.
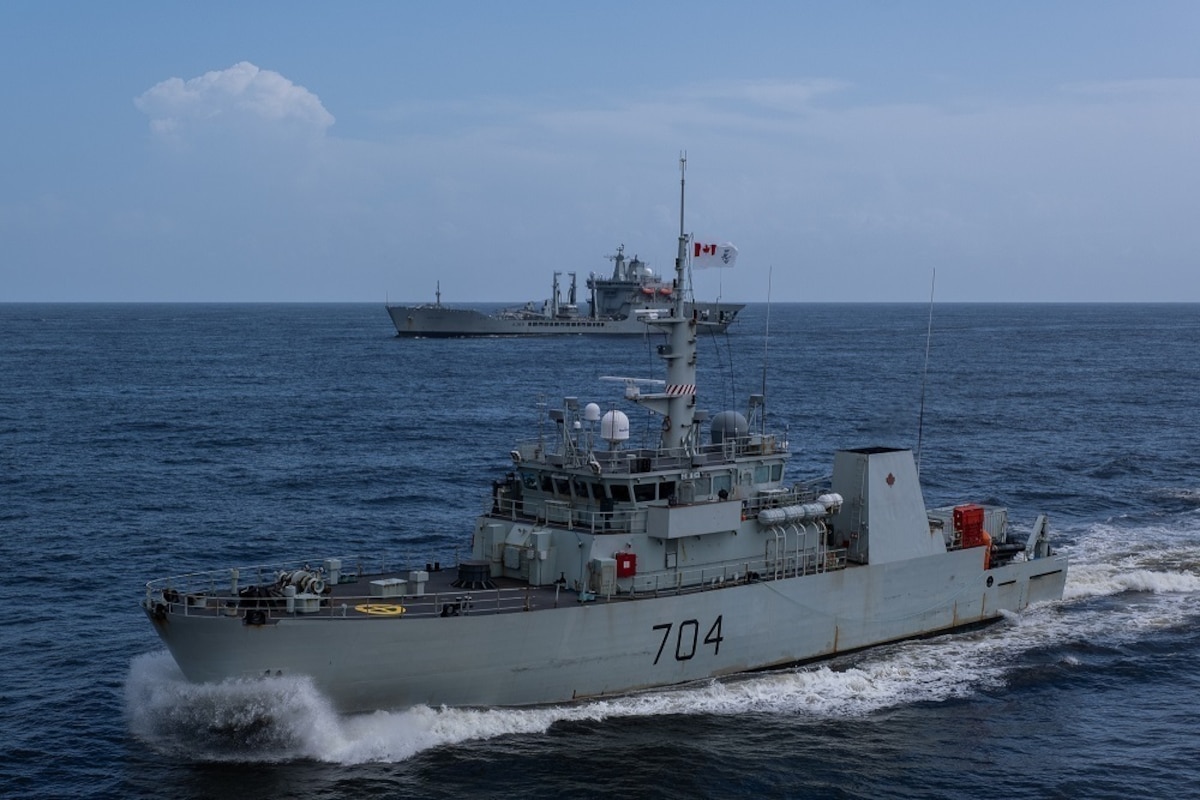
(591, 412)
(728, 423)
(614, 427)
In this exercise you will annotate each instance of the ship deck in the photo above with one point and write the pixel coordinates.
(461, 590)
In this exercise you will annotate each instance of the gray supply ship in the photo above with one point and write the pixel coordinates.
(622, 304)
(600, 568)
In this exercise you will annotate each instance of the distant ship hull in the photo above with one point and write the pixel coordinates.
(622, 304)
(602, 648)
(442, 321)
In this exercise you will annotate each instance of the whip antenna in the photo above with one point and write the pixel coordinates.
(766, 343)
(925, 371)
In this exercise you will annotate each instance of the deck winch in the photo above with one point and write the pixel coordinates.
(303, 580)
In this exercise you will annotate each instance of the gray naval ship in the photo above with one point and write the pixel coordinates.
(621, 304)
(600, 568)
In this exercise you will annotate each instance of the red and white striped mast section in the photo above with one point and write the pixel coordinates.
(677, 403)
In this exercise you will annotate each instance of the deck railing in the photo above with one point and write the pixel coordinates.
(632, 461)
(217, 593)
(790, 565)
(625, 520)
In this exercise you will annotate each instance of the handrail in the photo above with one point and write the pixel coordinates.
(565, 514)
(732, 573)
(462, 602)
(211, 582)
(625, 520)
(549, 452)
(198, 593)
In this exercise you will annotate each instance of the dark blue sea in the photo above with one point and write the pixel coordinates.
(141, 441)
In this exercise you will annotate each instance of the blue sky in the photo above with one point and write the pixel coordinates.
(303, 151)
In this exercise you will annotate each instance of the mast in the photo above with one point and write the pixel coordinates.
(677, 404)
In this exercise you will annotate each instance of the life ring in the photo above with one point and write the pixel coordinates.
(667, 423)
(380, 609)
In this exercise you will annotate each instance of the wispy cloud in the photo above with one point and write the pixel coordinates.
(1153, 87)
(794, 96)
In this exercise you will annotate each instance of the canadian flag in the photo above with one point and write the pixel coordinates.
(713, 255)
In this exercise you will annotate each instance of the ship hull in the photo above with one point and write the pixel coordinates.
(444, 322)
(601, 648)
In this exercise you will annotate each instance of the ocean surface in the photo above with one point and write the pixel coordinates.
(141, 441)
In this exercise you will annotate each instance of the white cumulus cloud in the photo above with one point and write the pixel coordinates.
(231, 97)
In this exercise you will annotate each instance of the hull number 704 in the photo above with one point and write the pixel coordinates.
(687, 638)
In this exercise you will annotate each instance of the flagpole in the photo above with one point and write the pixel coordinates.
(682, 170)
(680, 290)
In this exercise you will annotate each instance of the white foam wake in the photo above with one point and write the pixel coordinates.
(1113, 558)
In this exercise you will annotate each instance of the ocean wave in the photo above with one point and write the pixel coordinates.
(1101, 580)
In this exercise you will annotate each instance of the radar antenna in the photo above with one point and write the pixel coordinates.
(633, 385)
